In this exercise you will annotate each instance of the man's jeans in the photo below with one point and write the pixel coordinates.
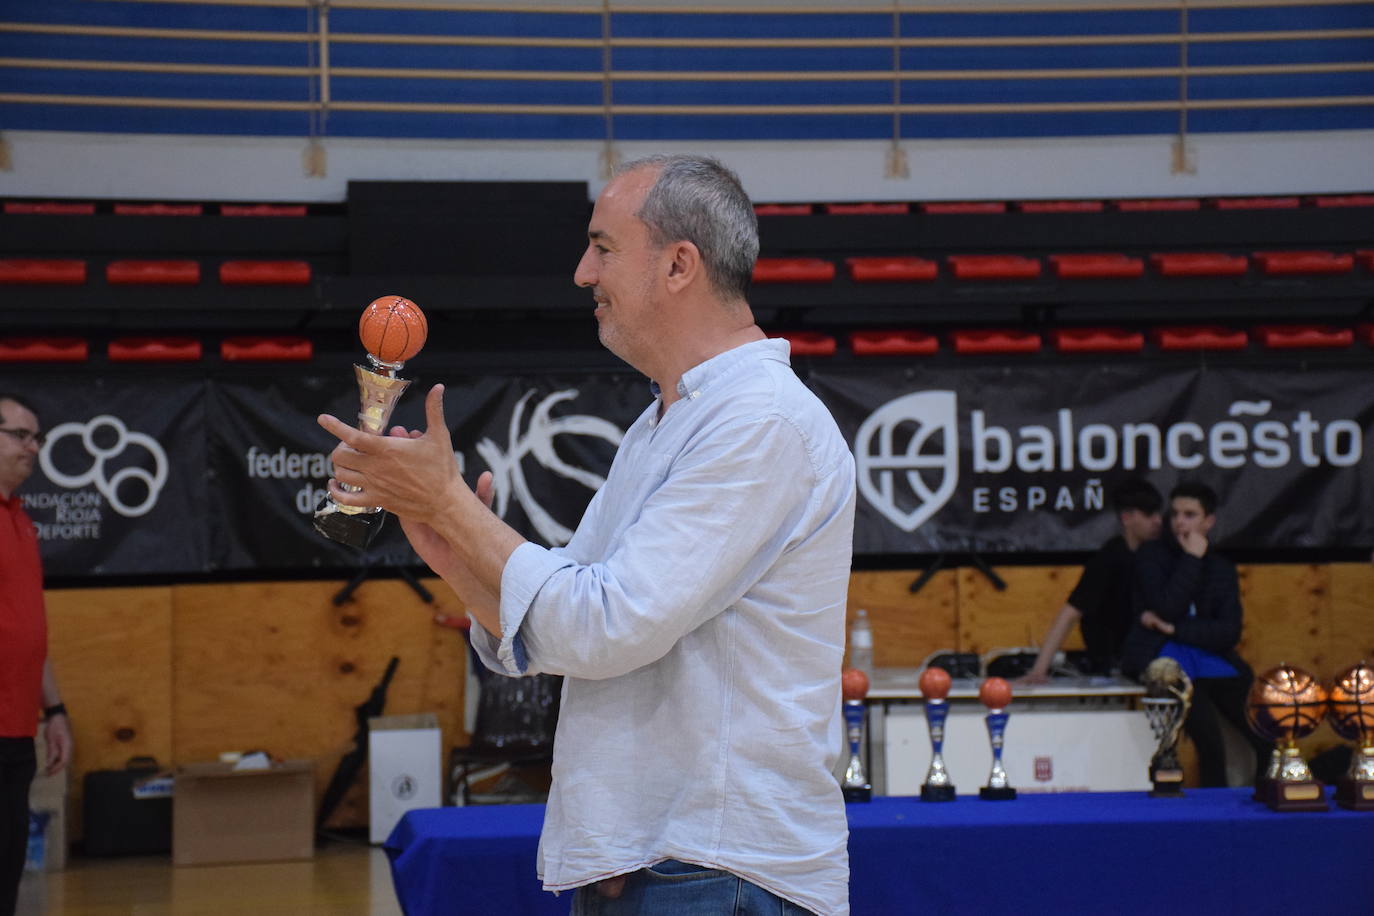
(673, 888)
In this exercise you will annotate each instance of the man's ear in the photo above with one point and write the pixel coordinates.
(1207, 522)
(684, 265)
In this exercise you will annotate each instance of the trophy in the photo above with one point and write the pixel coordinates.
(1352, 716)
(1168, 696)
(392, 330)
(995, 694)
(1271, 771)
(855, 686)
(934, 684)
(1286, 704)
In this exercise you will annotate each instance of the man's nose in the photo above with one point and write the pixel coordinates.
(585, 275)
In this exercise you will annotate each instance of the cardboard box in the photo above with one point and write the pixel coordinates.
(48, 816)
(220, 814)
(405, 769)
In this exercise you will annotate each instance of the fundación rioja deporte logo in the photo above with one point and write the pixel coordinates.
(907, 456)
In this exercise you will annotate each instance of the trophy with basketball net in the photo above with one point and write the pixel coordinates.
(1286, 704)
(995, 694)
(1168, 696)
(1351, 714)
(934, 685)
(856, 786)
(392, 330)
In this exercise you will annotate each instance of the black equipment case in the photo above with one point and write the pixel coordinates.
(118, 823)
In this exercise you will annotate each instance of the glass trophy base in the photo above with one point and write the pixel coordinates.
(936, 793)
(1303, 795)
(858, 793)
(1166, 782)
(1005, 793)
(355, 529)
(1355, 794)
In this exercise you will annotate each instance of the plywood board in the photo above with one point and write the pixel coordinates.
(1017, 616)
(279, 667)
(111, 650)
(906, 627)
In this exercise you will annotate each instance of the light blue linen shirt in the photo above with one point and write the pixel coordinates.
(697, 615)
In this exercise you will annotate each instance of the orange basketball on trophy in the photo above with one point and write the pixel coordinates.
(995, 693)
(934, 683)
(393, 329)
(854, 684)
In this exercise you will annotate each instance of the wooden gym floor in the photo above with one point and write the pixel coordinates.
(344, 879)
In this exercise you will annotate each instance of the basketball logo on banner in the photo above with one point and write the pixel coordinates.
(538, 441)
(907, 456)
(106, 438)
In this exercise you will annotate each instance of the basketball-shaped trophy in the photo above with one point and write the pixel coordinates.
(1351, 714)
(935, 684)
(1288, 703)
(856, 786)
(392, 330)
(995, 694)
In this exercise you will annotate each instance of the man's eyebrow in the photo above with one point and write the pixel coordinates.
(598, 235)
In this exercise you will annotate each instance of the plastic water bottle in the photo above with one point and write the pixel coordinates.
(861, 643)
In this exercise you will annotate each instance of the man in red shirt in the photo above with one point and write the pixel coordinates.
(27, 684)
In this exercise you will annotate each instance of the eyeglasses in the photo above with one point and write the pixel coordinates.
(25, 436)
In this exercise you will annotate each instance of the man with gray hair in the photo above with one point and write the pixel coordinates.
(697, 614)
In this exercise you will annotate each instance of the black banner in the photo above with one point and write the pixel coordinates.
(994, 459)
(183, 474)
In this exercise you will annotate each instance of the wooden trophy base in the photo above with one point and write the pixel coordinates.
(988, 793)
(937, 793)
(1355, 794)
(1166, 782)
(1306, 795)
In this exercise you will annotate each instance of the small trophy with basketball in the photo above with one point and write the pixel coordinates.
(935, 684)
(1287, 704)
(392, 330)
(1351, 714)
(995, 694)
(1168, 697)
(855, 786)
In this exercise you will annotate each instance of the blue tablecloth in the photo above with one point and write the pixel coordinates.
(1214, 851)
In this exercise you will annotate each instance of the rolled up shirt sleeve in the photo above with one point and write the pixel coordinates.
(684, 548)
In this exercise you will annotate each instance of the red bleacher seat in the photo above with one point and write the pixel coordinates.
(1096, 266)
(266, 349)
(1344, 200)
(868, 209)
(49, 208)
(264, 273)
(262, 209)
(43, 350)
(153, 273)
(891, 270)
(1366, 333)
(154, 350)
(973, 206)
(793, 270)
(1257, 203)
(1304, 336)
(1199, 264)
(158, 209)
(1166, 203)
(1200, 337)
(1366, 259)
(893, 343)
(995, 341)
(1287, 263)
(1060, 206)
(994, 267)
(809, 343)
(1097, 340)
(47, 271)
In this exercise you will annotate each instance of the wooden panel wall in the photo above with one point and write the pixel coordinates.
(185, 673)
(182, 673)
